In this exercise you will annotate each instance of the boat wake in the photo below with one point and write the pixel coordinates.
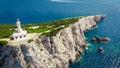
(86, 2)
(68, 1)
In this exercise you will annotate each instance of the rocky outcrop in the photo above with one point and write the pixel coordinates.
(100, 40)
(50, 51)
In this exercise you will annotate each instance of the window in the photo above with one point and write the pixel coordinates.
(20, 36)
(24, 35)
(11, 38)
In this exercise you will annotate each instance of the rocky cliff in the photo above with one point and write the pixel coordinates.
(50, 51)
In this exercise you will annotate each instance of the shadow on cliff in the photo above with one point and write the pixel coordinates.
(9, 57)
(15, 57)
(28, 58)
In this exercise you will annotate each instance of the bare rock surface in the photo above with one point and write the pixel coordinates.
(50, 51)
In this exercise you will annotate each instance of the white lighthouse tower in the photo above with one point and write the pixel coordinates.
(18, 25)
(19, 34)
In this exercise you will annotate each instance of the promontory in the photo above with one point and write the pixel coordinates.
(45, 51)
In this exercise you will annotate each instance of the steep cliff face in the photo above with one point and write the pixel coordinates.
(50, 51)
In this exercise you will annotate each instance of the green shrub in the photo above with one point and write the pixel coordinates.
(41, 49)
(30, 40)
(3, 42)
(30, 25)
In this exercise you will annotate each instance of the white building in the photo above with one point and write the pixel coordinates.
(19, 34)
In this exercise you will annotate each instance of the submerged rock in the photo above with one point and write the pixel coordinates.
(50, 51)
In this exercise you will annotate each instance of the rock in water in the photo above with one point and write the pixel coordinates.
(100, 49)
(98, 39)
(105, 39)
(50, 51)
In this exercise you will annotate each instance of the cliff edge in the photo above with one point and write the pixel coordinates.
(50, 51)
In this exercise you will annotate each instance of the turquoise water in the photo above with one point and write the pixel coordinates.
(35, 11)
(110, 58)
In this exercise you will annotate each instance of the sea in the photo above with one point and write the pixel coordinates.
(39, 11)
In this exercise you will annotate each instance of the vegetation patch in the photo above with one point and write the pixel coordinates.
(41, 49)
(3, 42)
(58, 25)
(30, 40)
(6, 30)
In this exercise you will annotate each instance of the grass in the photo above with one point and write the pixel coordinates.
(57, 25)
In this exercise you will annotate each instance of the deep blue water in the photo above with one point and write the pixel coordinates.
(37, 11)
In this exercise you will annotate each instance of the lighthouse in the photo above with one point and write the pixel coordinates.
(19, 34)
(18, 25)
